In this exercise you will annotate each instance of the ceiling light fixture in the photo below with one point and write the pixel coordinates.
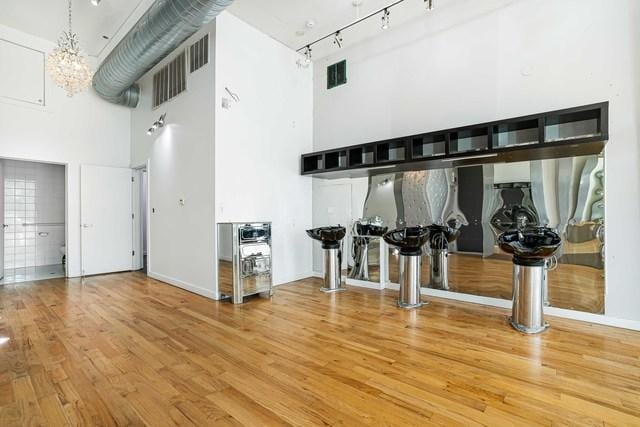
(67, 66)
(307, 55)
(337, 35)
(157, 124)
(95, 2)
(385, 19)
(337, 39)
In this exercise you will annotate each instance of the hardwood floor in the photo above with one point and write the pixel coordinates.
(127, 350)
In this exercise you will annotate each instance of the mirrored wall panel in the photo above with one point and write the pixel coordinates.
(480, 202)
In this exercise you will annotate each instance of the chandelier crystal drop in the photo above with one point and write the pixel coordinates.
(67, 66)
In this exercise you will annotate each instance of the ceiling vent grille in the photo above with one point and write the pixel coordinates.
(199, 54)
(170, 80)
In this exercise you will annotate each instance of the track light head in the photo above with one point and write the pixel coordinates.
(385, 19)
(307, 55)
(157, 124)
(428, 4)
(337, 39)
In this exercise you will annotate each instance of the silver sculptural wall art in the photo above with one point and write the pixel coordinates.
(483, 201)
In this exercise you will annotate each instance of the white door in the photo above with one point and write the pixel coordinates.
(2, 220)
(106, 219)
(138, 205)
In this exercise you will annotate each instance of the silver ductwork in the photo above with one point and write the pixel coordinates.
(164, 27)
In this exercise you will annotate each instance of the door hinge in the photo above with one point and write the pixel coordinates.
(132, 216)
(133, 253)
(133, 179)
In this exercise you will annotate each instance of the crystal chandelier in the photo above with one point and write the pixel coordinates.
(66, 65)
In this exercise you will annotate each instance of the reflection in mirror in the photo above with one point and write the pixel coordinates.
(482, 202)
(365, 248)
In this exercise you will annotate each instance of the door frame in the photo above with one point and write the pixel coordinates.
(67, 207)
(137, 203)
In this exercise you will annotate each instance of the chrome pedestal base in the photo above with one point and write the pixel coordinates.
(407, 306)
(527, 330)
(332, 273)
(410, 282)
(360, 270)
(528, 299)
(330, 290)
(439, 271)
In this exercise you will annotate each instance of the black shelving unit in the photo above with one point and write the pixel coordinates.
(562, 133)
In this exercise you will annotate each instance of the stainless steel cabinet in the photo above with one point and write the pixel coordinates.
(244, 260)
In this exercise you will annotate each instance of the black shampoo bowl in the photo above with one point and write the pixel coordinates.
(365, 230)
(330, 237)
(530, 246)
(409, 239)
(441, 235)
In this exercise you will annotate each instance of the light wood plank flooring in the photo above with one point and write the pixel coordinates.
(127, 350)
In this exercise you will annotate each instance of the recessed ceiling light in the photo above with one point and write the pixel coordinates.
(310, 24)
(95, 2)
(300, 33)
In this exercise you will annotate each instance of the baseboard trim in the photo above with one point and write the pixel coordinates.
(364, 284)
(183, 285)
(551, 311)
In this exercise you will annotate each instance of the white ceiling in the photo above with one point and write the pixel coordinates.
(285, 19)
(47, 19)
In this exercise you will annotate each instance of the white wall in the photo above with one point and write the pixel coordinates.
(251, 171)
(72, 131)
(181, 238)
(260, 139)
(468, 62)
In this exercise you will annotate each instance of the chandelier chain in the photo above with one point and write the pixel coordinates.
(70, 28)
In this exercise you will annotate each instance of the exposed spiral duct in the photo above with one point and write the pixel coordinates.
(164, 27)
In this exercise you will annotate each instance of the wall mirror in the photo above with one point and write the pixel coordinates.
(483, 201)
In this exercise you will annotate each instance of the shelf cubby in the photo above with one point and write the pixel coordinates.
(312, 163)
(516, 133)
(429, 145)
(568, 126)
(392, 151)
(362, 156)
(335, 160)
(469, 140)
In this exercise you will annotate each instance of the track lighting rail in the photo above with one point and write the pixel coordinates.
(340, 30)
